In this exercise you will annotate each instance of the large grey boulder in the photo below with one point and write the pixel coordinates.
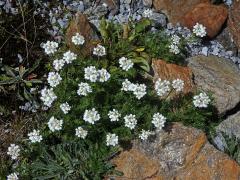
(219, 76)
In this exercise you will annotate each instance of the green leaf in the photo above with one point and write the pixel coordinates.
(142, 63)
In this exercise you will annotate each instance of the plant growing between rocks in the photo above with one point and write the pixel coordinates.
(97, 104)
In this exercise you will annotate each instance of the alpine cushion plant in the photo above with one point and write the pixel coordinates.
(100, 103)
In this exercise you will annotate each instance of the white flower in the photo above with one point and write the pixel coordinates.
(175, 39)
(99, 50)
(48, 96)
(84, 89)
(130, 121)
(128, 86)
(145, 134)
(54, 79)
(91, 116)
(114, 115)
(162, 87)
(80, 132)
(178, 85)
(112, 139)
(35, 136)
(147, 13)
(199, 30)
(12, 176)
(13, 151)
(158, 120)
(125, 63)
(78, 39)
(50, 47)
(91, 73)
(202, 100)
(54, 124)
(174, 49)
(103, 75)
(65, 107)
(69, 57)
(140, 90)
(58, 64)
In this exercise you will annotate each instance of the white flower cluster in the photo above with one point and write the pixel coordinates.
(84, 89)
(94, 75)
(65, 107)
(178, 85)
(130, 121)
(112, 139)
(35, 136)
(81, 133)
(199, 30)
(58, 64)
(147, 13)
(145, 134)
(54, 79)
(202, 100)
(12, 176)
(162, 87)
(13, 151)
(78, 39)
(55, 124)
(114, 115)
(158, 121)
(50, 47)
(48, 96)
(125, 63)
(139, 90)
(99, 50)
(174, 44)
(91, 116)
(69, 56)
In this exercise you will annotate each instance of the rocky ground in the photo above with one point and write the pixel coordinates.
(213, 65)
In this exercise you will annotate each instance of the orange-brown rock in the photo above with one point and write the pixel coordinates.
(234, 22)
(178, 153)
(211, 16)
(175, 10)
(167, 71)
(81, 25)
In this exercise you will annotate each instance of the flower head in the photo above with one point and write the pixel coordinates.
(202, 100)
(58, 64)
(91, 116)
(145, 134)
(69, 57)
(178, 84)
(128, 86)
(103, 75)
(48, 96)
(125, 63)
(50, 47)
(84, 89)
(112, 139)
(55, 124)
(130, 121)
(80, 132)
(65, 107)
(173, 48)
(158, 120)
(175, 39)
(140, 90)
(78, 39)
(147, 13)
(35, 136)
(162, 87)
(54, 79)
(13, 151)
(99, 50)
(114, 115)
(91, 73)
(199, 30)
(13, 176)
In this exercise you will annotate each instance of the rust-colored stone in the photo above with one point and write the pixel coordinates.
(81, 25)
(178, 153)
(234, 22)
(167, 71)
(211, 16)
(176, 9)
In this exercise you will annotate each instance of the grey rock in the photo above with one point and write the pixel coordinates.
(219, 76)
(159, 20)
(147, 3)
